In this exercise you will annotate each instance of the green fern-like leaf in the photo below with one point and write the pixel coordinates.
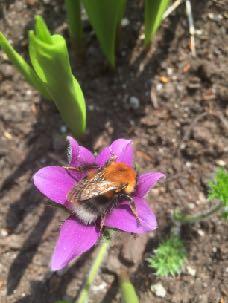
(169, 257)
(219, 187)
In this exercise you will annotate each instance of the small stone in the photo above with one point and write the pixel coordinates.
(191, 271)
(220, 162)
(191, 205)
(3, 232)
(100, 287)
(125, 22)
(214, 249)
(134, 102)
(201, 232)
(29, 92)
(158, 290)
(188, 164)
(7, 70)
(169, 71)
(159, 87)
(63, 129)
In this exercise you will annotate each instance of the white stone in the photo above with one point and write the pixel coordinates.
(201, 232)
(134, 102)
(191, 271)
(159, 87)
(125, 22)
(3, 232)
(98, 288)
(63, 129)
(220, 162)
(158, 289)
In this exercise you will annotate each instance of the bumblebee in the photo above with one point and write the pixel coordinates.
(102, 189)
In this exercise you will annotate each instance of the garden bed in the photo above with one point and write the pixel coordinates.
(178, 123)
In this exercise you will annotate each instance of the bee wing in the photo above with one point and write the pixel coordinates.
(87, 189)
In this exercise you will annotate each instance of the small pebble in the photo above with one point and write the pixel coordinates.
(125, 22)
(220, 162)
(63, 129)
(98, 288)
(134, 102)
(3, 232)
(158, 290)
(159, 87)
(191, 271)
(201, 232)
(191, 205)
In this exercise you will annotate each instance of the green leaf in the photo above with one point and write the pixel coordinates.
(128, 293)
(73, 12)
(169, 257)
(154, 10)
(105, 17)
(219, 187)
(23, 67)
(51, 61)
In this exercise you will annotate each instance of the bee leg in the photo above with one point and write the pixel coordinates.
(81, 168)
(134, 211)
(133, 208)
(72, 168)
(114, 203)
(102, 222)
(111, 159)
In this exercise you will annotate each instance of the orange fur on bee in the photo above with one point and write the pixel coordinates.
(121, 174)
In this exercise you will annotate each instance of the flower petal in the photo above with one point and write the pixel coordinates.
(122, 218)
(74, 239)
(146, 181)
(121, 148)
(79, 155)
(54, 182)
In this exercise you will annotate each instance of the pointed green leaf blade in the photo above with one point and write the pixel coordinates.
(105, 16)
(154, 10)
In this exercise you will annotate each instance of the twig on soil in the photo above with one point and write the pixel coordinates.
(191, 27)
(171, 8)
(199, 117)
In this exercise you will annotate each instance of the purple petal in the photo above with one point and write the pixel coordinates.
(79, 155)
(74, 239)
(146, 181)
(122, 218)
(54, 182)
(121, 148)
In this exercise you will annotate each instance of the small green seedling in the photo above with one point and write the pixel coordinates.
(169, 257)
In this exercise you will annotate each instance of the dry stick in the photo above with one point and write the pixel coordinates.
(182, 218)
(171, 8)
(191, 26)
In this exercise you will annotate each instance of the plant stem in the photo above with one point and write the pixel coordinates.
(73, 11)
(198, 217)
(84, 295)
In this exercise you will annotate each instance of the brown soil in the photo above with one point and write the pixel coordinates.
(179, 128)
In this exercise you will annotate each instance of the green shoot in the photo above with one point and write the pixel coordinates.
(73, 12)
(50, 73)
(154, 10)
(169, 257)
(105, 17)
(128, 293)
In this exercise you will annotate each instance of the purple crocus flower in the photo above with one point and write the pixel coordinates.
(55, 183)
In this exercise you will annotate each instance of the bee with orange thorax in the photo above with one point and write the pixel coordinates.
(101, 190)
